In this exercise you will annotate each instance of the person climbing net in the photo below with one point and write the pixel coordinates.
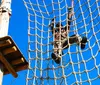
(61, 39)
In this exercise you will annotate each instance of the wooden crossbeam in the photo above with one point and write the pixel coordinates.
(19, 68)
(7, 65)
(11, 57)
(17, 61)
(9, 50)
(5, 43)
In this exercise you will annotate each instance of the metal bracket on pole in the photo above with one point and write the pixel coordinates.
(4, 9)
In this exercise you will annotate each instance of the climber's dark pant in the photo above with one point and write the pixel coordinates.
(72, 39)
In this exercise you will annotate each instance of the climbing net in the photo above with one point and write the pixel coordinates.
(78, 66)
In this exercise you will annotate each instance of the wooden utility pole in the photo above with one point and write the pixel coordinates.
(1, 74)
(5, 12)
(11, 59)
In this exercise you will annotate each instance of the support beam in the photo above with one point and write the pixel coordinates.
(7, 65)
(17, 61)
(5, 43)
(19, 68)
(9, 50)
(11, 57)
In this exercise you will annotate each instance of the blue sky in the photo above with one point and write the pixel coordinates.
(19, 32)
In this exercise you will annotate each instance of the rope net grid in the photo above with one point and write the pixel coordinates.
(78, 66)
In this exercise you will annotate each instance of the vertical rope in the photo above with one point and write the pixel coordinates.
(41, 33)
(54, 73)
(97, 1)
(78, 59)
(60, 49)
(94, 36)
